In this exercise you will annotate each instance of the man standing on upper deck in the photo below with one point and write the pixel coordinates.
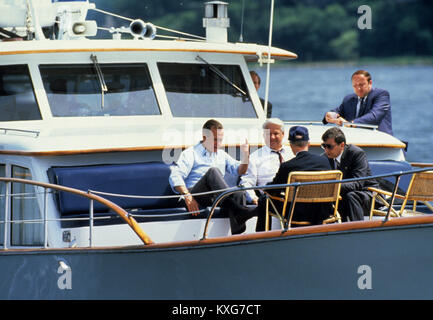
(202, 167)
(366, 105)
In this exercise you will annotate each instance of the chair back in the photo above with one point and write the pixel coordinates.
(421, 187)
(328, 192)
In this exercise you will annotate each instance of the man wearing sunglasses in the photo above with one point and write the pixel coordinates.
(352, 161)
(367, 105)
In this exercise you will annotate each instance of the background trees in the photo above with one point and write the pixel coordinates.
(317, 30)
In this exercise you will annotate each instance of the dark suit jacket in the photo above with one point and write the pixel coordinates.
(304, 161)
(375, 111)
(354, 164)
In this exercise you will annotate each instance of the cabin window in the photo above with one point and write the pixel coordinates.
(196, 90)
(17, 97)
(2, 203)
(27, 226)
(75, 90)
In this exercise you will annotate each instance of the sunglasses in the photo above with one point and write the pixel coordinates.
(327, 146)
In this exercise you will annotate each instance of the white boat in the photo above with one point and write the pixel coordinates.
(88, 130)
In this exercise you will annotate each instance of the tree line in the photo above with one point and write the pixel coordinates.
(317, 30)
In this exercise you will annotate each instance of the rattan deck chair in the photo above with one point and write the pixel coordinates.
(329, 192)
(420, 189)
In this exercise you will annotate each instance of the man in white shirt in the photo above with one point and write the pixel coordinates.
(265, 162)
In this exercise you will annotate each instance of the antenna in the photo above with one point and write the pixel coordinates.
(241, 36)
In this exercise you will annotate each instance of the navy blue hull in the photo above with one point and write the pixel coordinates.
(376, 263)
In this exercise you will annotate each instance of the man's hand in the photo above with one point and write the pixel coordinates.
(333, 117)
(191, 204)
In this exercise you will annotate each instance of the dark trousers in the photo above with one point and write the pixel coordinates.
(212, 180)
(314, 213)
(355, 205)
(231, 205)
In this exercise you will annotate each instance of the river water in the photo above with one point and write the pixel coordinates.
(307, 92)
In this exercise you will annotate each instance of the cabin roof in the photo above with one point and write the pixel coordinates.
(250, 51)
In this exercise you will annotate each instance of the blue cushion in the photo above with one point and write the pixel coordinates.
(142, 179)
(388, 166)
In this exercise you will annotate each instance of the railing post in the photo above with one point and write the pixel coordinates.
(214, 205)
(45, 218)
(397, 181)
(5, 238)
(91, 224)
(288, 222)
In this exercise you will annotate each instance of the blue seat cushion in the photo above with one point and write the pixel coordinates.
(388, 166)
(141, 179)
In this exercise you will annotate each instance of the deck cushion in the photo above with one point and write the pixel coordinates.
(389, 166)
(142, 179)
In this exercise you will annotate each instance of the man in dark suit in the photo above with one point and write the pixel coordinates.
(303, 161)
(366, 105)
(352, 161)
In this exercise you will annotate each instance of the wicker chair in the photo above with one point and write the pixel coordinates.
(420, 189)
(329, 192)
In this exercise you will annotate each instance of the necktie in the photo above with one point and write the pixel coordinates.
(360, 109)
(336, 164)
(280, 156)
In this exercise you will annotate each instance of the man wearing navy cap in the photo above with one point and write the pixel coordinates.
(303, 161)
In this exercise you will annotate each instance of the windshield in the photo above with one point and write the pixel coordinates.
(75, 90)
(196, 90)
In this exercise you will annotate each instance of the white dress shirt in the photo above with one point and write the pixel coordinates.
(195, 161)
(262, 168)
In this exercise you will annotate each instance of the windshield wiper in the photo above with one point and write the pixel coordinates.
(101, 78)
(222, 75)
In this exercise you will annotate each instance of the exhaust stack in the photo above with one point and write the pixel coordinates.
(216, 21)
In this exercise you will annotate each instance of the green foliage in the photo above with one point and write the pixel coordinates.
(314, 29)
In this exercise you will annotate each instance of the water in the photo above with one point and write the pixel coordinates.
(307, 92)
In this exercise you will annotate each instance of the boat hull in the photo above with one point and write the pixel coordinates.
(369, 263)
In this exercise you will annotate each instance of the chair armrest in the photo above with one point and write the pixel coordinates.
(387, 193)
(274, 197)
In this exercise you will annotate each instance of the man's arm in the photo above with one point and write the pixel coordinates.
(179, 172)
(250, 180)
(337, 115)
(359, 168)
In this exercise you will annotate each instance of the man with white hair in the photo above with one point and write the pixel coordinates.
(265, 162)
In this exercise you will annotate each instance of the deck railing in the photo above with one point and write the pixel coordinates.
(397, 175)
(92, 197)
(129, 219)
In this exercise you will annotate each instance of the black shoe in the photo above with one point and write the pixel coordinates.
(238, 219)
(235, 226)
